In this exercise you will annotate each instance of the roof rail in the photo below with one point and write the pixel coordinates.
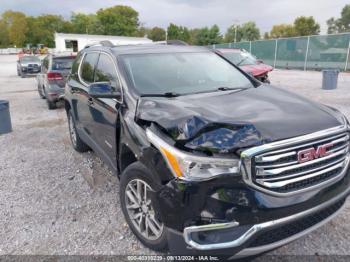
(106, 43)
(170, 42)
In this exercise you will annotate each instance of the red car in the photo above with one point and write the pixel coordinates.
(247, 62)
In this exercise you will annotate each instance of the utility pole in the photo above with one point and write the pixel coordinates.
(235, 23)
(235, 33)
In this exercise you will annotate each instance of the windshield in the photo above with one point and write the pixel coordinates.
(240, 58)
(182, 73)
(30, 59)
(62, 63)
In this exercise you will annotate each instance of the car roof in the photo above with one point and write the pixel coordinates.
(230, 50)
(155, 49)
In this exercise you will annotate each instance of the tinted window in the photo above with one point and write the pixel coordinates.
(105, 70)
(88, 67)
(182, 73)
(62, 63)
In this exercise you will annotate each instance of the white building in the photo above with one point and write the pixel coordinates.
(76, 42)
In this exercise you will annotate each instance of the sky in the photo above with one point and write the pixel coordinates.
(194, 13)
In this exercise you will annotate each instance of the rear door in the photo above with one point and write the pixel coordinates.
(79, 89)
(104, 111)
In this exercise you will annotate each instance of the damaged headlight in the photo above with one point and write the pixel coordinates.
(191, 167)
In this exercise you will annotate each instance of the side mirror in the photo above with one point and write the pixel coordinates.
(103, 90)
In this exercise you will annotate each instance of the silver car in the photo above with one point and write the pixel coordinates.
(28, 65)
(52, 78)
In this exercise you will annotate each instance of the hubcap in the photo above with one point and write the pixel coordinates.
(72, 131)
(140, 209)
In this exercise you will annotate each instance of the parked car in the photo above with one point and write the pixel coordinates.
(52, 78)
(209, 161)
(28, 65)
(248, 63)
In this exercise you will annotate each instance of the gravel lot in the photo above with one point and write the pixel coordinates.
(57, 201)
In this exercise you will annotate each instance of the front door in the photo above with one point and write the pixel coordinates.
(104, 111)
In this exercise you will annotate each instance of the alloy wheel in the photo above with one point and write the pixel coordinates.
(140, 209)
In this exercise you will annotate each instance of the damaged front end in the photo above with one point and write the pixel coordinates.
(192, 132)
(205, 203)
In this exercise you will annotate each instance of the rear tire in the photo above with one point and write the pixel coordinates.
(138, 209)
(75, 139)
(51, 105)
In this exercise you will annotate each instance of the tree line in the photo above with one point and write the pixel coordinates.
(17, 29)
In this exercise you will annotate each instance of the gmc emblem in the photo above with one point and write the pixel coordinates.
(312, 153)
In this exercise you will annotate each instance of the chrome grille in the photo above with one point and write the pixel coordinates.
(276, 169)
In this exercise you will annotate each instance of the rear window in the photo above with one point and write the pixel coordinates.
(62, 63)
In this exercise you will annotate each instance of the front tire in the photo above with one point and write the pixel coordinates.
(137, 207)
(75, 139)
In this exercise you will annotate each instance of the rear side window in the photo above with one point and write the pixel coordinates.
(88, 67)
(105, 71)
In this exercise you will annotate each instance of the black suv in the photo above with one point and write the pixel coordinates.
(210, 160)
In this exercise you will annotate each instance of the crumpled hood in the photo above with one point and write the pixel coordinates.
(222, 122)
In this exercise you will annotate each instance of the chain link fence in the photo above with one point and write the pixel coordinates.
(306, 53)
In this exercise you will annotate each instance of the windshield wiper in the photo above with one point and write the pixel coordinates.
(225, 88)
(167, 94)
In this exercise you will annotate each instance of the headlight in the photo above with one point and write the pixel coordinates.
(190, 167)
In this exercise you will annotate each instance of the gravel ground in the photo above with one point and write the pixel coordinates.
(57, 201)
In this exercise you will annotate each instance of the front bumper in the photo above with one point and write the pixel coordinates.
(31, 70)
(209, 224)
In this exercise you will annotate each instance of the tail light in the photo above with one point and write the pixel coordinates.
(54, 76)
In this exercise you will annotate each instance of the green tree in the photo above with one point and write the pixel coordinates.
(141, 31)
(193, 36)
(41, 29)
(16, 25)
(118, 20)
(246, 32)
(249, 31)
(282, 30)
(86, 24)
(341, 24)
(267, 35)
(4, 34)
(208, 36)
(156, 34)
(178, 33)
(306, 26)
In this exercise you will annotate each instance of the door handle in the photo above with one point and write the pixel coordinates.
(90, 101)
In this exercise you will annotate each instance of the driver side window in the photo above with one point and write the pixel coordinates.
(106, 72)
